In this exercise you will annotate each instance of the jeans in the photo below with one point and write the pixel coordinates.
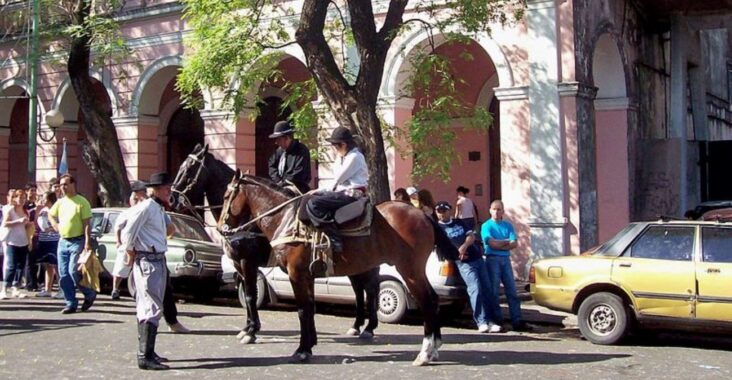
(68, 256)
(501, 271)
(14, 264)
(476, 278)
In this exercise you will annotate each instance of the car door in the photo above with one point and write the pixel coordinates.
(658, 268)
(714, 274)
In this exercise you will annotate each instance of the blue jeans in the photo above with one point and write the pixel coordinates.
(14, 264)
(501, 271)
(476, 278)
(68, 256)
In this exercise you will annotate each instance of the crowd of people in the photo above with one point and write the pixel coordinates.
(485, 253)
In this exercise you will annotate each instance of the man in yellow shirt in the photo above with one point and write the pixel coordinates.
(70, 216)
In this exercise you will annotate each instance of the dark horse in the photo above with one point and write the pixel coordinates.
(401, 235)
(201, 176)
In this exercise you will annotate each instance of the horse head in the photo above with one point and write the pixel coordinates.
(236, 208)
(191, 179)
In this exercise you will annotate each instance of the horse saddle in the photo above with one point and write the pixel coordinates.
(353, 219)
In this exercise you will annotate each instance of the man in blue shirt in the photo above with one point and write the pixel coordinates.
(499, 238)
(471, 268)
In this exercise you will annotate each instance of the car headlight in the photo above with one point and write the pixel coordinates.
(189, 256)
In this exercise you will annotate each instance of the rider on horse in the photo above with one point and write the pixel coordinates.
(291, 161)
(351, 178)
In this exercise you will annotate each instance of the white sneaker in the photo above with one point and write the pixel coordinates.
(43, 293)
(483, 328)
(178, 328)
(59, 296)
(3, 295)
(17, 293)
(494, 328)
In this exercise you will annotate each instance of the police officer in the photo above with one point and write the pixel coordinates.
(291, 160)
(144, 240)
(351, 178)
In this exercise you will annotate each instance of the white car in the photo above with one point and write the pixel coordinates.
(273, 285)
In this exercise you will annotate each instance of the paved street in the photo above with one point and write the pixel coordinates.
(37, 342)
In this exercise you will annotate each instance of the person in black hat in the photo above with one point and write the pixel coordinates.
(144, 239)
(291, 161)
(350, 182)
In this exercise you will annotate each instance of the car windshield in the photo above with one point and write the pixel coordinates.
(190, 229)
(604, 249)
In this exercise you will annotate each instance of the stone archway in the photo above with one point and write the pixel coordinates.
(14, 121)
(611, 138)
(270, 112)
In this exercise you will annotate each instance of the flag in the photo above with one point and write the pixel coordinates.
(63, 166)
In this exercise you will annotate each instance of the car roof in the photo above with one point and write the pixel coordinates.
(120, 209)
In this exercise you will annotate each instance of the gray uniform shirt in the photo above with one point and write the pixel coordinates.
(146, 228)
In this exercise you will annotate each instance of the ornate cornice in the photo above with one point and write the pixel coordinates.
(511, 93)
(577, 89)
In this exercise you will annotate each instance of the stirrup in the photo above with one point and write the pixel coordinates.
(318, 268)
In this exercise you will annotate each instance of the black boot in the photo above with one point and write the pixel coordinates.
(146, 351)
(336, 244)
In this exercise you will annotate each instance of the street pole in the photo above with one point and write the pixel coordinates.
(33, 105)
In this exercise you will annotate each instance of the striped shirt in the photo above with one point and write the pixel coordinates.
(45, 230)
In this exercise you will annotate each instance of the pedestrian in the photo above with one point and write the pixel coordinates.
(144, 241)
(290, 163)
(471, 268)
(351, 177)
(32, 271)
(8, 204)
(121, 270)
(401, 195)
(55, 187)
(16, 220)
(499, 238)
(47, 243)
(465, 209)
(70, 216)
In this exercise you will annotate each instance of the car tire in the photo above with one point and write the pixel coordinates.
(603, 318)
(262, 293)
(131, 286)
(392, 302)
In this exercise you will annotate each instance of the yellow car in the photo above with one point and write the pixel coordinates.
(675, 274)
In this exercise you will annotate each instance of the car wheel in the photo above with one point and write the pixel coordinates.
(261, 292)
(603, 319)
(392, 302)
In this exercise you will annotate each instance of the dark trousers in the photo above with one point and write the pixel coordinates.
(322, 207)
(15, 257)
(32, 269)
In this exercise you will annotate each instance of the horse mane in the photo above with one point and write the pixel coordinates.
(266, 182)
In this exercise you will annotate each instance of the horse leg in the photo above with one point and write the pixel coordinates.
(248, 334)
(358, 289)
(427, 300)
(372, 299)
(304, 287)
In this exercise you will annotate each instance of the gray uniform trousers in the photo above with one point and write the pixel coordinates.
(149, 274)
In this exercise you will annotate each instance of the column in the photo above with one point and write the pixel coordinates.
(397, 112)
(4, 160)
(547, 196)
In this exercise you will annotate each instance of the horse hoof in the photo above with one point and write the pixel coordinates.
(352, 332)
(366, 335)
(300, 357)
(248, 339)
(241, 334)
(421, 360)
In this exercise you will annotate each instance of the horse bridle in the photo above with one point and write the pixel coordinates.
(182, 193)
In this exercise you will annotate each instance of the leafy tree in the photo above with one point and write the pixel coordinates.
(237, 40)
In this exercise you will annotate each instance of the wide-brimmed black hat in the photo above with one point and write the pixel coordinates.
(159, 179)
(282, 128)
(340, 135)
(136, 186)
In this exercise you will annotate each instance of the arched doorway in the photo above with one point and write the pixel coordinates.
(611, 133)
(18, 143)
(184, 131)
(270, 112)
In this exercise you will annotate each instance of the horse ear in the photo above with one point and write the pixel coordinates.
(197, 148)
(205, 149)
(237, 175)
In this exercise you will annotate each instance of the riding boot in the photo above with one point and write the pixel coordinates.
(146, 351)
(336, 244)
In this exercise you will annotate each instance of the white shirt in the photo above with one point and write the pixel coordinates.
(466, 208)
(146, 226)
(350, 171)
(17, 237)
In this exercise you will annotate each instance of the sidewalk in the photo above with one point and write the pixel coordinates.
(533, 313)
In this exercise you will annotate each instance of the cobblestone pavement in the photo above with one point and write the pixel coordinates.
(37, 342)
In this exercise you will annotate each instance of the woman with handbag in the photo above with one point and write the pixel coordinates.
(16, 220)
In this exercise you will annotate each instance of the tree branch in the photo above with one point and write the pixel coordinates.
(393, 20)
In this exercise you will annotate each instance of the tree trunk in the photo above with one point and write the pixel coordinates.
(101, 153)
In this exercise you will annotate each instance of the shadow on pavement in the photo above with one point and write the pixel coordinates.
(26, 326)
(408, 339)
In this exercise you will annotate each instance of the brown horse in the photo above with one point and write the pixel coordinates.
(401, 235)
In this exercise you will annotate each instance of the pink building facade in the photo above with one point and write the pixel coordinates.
(599, 116)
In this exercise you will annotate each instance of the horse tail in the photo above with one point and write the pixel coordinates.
(445, 249)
